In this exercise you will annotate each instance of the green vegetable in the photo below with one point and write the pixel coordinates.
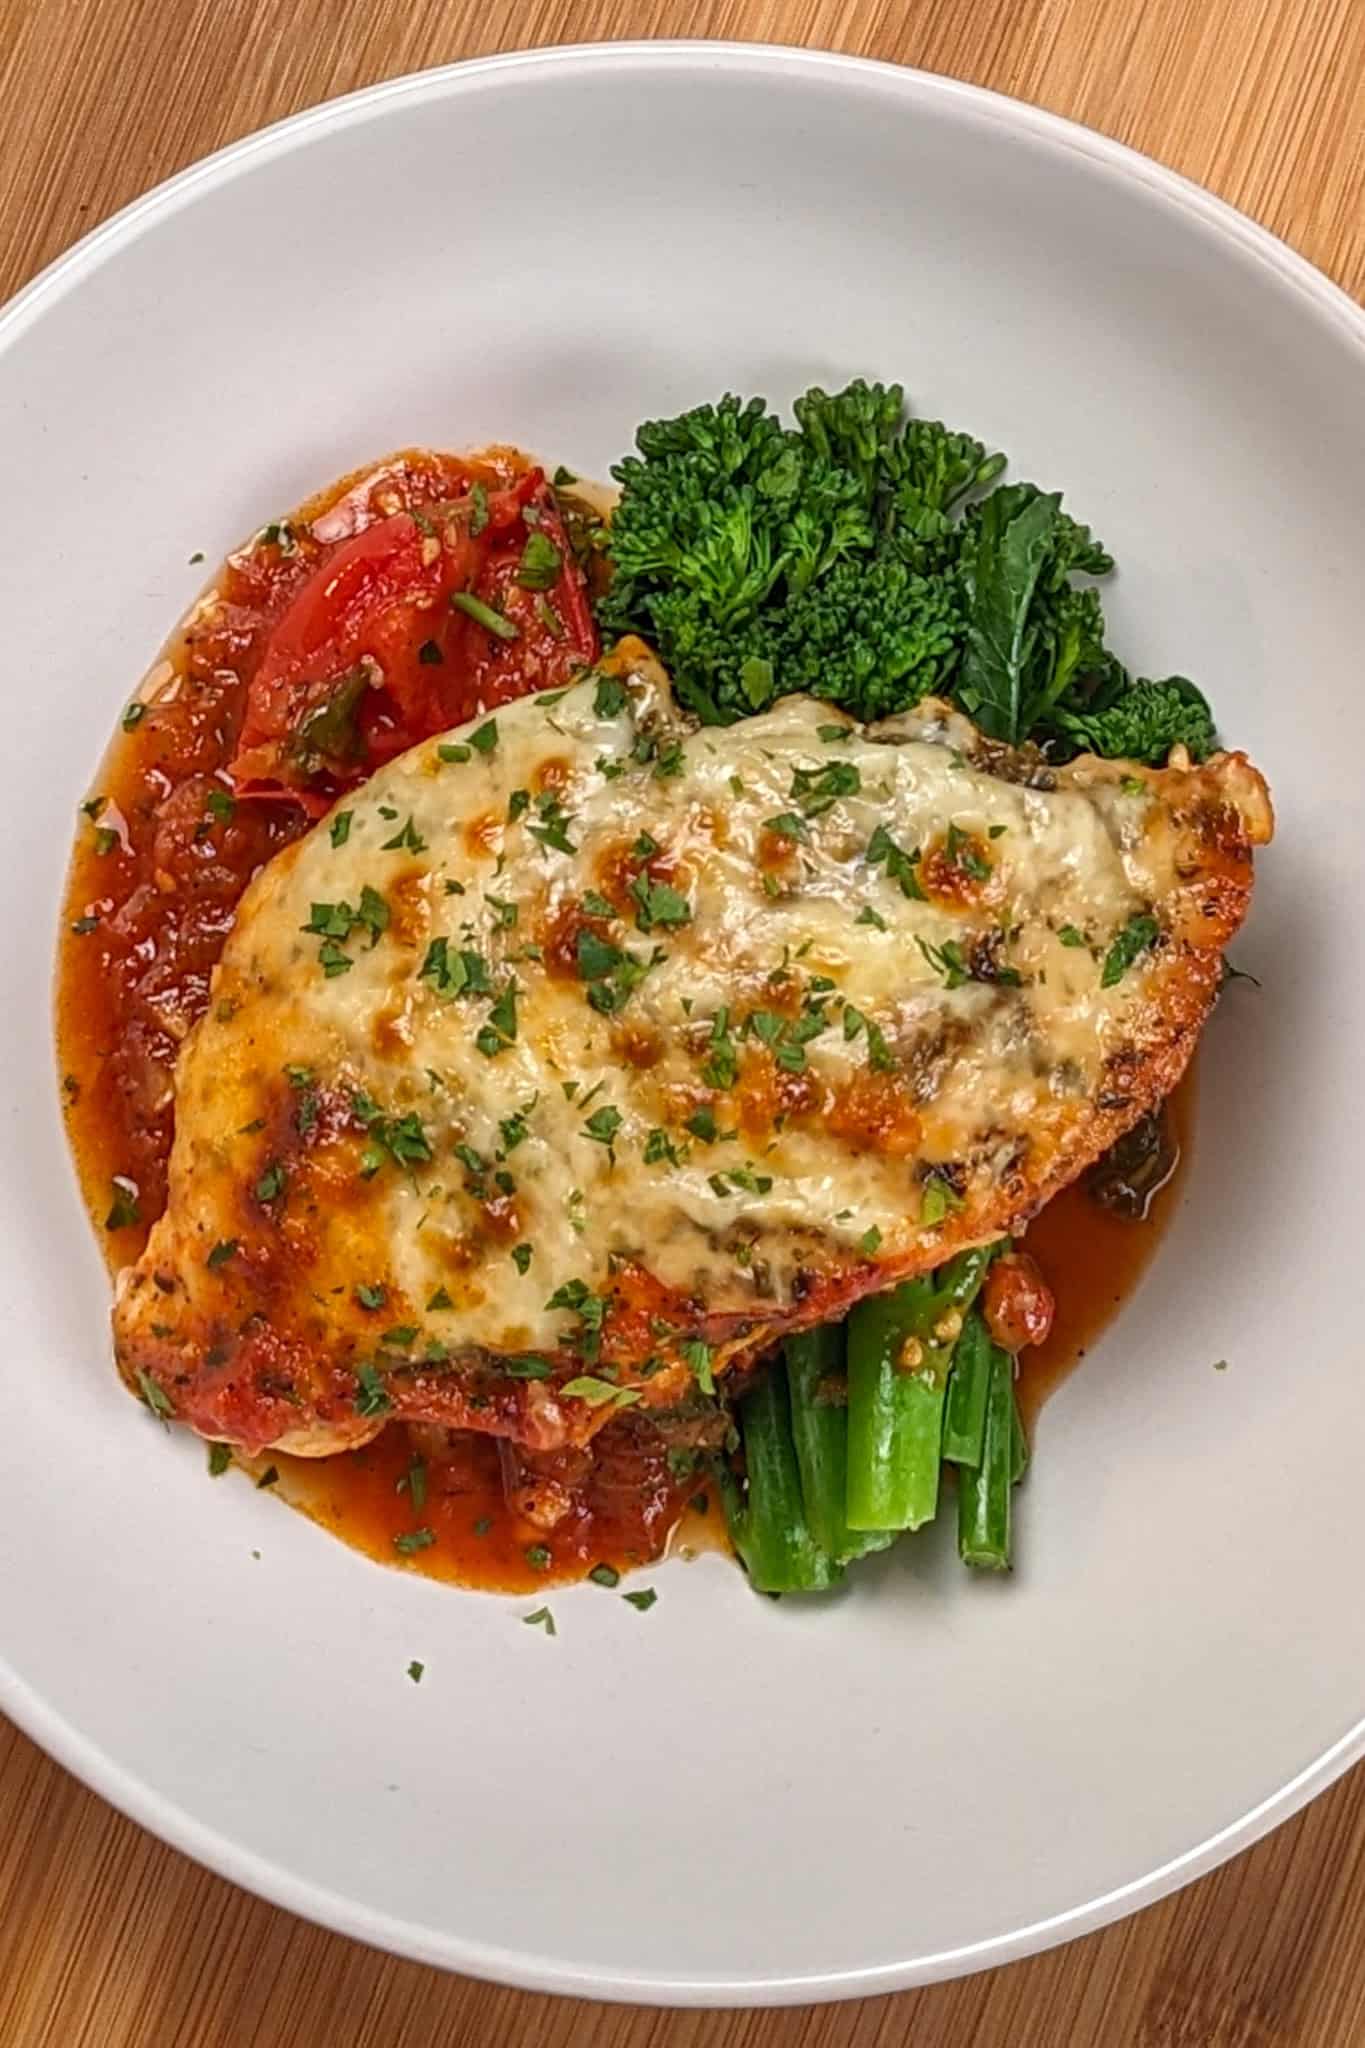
(964, 1416)
(328, 736)
(855, 557)
(487, 615)
(983, 1494)
(900, 1350)
(1127, 945)
(1141, 721)
(818, 1392)
(540, 563)
(768, 1518)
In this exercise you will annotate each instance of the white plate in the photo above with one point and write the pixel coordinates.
(724, 1799)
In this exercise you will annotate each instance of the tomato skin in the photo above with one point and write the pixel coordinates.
(369, 657)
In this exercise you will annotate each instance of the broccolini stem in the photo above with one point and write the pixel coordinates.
(768, 1521)
(819, 1418)
(983, 1496)
(964, 1417)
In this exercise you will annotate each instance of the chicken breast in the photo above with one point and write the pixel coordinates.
(583, 1052)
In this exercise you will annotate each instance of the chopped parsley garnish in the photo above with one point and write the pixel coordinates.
(220, 804)
(478, 510)
(537, 1555)
(270, 1477)
(702, 1124)
(787, 1037)
(133, 715)
(576, 1297)
(341, 827)
(527, 1367)
(540, 563)
(486, 738)
(720, 1069)
(553, 829)
(870, 1240)
(816, 790)
(938, 1198)
(879, 1054)
(659, 1146)
(605, 1575)
(439, 1300)
(697, 1356)
(602, 1127)
(505, 912)
(123, 1210)
(400, 1336)
(963, 855)
(643, 1600)
(1069, 935)
(741, 1180)
(514, 1130)
(335, 922)
(900, 866)
(371, 1297)
(947, 961)
(659, 904)
(597, 1392)
(414, 1484)
(83, 926)
(541, 1617)
(612, 974)
(271, 1184)
(517, 803)
(452, 750)
(430, 655)
(454, 973)
(408, 840)
(485, 615)
(402, 1137)
(610, 697)
(415, 1670)
(521, 1256)
(1133, 785)
(220, 1457)
(500, 1030)
(157, 1399)
(225, 1249)
(787, 825)
(832, 734)
(413, 1540)
(371, 1391)
(867, 915)
(106, 839)
(1136, 936)
(670, 761)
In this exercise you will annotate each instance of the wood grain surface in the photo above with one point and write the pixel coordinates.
(109, 1940)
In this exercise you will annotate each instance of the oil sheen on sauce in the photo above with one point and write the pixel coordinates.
(151, 892)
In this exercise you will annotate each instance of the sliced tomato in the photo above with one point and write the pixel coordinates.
(371, 655)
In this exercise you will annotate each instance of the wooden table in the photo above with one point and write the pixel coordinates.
(107, 1939)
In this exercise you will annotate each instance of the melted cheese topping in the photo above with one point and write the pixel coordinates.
(584, 1035)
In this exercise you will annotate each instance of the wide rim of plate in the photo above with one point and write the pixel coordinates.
(59, 1736)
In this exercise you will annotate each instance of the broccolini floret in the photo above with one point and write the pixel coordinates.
(1143, 721)
(862, 556)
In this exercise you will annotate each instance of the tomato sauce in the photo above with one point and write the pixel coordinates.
(201, 787)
